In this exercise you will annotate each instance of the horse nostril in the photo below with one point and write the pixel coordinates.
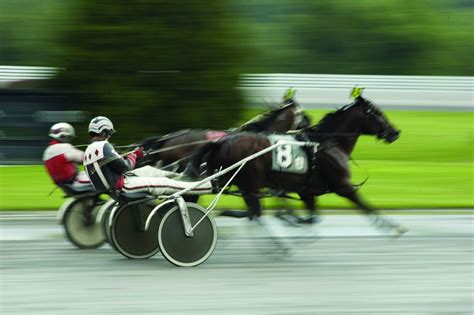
(392, 136)
(397, 134)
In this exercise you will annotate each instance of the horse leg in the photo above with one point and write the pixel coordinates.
(191, 198)
(256, 222)
(253, 206)
(293, 219)
(263, 224)
(378, 220)
(310, 202)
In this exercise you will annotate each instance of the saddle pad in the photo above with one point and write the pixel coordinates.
(215, 134)
(288, 158)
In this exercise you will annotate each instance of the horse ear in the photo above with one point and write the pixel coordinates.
(289, 94)
(356, 92)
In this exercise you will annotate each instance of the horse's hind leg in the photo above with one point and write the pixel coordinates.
(253, 204)
(378, 220)
(290, 217)
(262, 223)
(191, 198)
(310, 202)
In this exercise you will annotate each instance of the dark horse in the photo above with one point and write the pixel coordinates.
(336, 133)
(178, 146)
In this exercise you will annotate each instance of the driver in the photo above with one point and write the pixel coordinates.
(61, 159)
(109, 171)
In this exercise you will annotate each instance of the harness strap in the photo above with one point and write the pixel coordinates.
(297, 118)
(111, 159)
(101, 175)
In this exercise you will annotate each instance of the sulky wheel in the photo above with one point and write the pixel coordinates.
(80, 223)
(106, 210)
(127, 232)
(180, 249)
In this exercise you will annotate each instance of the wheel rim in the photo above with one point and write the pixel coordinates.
(107, 210)
(128, 234)
(182, 250)
(80, 225)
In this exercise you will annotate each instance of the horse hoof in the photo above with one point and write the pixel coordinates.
(233, 214)
(310, 220)
(401, 230)
(284, 253)
(290, 220)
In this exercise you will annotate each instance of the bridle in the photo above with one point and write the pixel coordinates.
(298, 117)
(372, 112)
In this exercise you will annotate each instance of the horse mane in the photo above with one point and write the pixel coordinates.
(326, 125)
(263, 121)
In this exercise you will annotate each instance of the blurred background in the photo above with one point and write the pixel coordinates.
(158, 66)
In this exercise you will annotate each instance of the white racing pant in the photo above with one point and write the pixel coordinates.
(158, 182)
(82, 182)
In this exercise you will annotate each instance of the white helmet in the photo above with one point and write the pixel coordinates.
(100, 124)
(61, 131)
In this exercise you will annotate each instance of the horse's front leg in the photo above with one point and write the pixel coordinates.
(377, 219)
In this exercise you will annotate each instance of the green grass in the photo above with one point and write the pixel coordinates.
(430, 166)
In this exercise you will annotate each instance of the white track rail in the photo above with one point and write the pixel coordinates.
(326, 90)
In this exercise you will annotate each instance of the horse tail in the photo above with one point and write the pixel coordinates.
(194, 164)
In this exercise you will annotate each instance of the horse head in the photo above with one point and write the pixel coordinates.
(361, 117)
(300, 119)
(375, 122)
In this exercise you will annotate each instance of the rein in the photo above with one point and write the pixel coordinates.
(178, 146)
(149, 153)
(118, 146)
(338, 134)
(52, 191)
(358, 186)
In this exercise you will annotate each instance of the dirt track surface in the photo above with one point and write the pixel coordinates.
(341, 266)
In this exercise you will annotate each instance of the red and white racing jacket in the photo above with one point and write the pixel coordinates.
(61, 160)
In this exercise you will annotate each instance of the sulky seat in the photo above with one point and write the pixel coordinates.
(126, 197)
(72, 191)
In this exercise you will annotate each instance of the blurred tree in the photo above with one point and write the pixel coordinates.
(432, 37)
(360, 37)
(29, 30)
(366, 37)
(154, 65)
(370, 37)
(455, 56)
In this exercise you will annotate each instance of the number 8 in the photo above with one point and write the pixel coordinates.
(283, 155)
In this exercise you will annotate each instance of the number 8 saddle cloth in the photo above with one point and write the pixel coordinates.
(290, 158)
